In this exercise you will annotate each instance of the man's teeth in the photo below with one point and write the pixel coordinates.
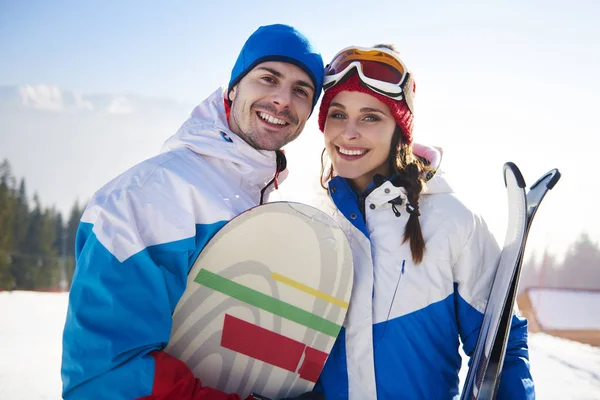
(271, 119)
(352, 152)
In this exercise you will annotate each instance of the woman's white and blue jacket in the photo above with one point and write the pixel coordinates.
(136, 242)
(401, 335)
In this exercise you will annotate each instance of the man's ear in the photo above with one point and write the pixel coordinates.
(233, 93)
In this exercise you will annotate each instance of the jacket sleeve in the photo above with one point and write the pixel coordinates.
(474, 272)
(120, 306)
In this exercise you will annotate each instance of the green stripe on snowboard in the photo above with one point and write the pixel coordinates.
(267, 303)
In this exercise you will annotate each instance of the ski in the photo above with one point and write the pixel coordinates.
(483, 376)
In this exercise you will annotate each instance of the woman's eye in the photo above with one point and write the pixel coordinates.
(336, 115)
(372, 118)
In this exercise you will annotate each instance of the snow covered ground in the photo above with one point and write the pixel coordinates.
(30, 345)
(30, 353)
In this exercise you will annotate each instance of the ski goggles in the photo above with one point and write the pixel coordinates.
(379, 68)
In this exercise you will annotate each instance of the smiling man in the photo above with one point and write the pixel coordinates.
(141, 233)
(271, 104)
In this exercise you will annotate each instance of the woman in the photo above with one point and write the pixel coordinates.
(424, 263)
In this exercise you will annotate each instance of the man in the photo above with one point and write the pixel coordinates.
(142, 232)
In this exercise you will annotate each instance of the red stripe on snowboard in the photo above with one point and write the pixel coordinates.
(272, 348)
(314, 360)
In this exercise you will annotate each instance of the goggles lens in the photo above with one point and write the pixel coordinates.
(375, 64)
(374, 70)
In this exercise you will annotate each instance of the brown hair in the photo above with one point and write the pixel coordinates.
(410, 170)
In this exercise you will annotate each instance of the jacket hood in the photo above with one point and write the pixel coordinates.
(435, 181)
(206, 132)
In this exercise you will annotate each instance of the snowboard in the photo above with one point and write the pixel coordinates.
(483, 376)
(265, 301)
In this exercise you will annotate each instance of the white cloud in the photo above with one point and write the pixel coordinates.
(43, 97)
(120, 105)
(81, 104)
(51, 98)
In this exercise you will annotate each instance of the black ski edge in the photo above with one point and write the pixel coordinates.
(515, 170)
(478, 356)
(555, 173)
(496, 360)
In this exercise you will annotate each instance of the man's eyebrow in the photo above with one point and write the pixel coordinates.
(306, 84)
(280, 75)
(272, 71)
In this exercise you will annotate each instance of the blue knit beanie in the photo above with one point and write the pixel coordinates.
(279, 43)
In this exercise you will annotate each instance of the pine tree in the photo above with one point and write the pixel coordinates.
(21, 220)
(581, 265)
(7, 205)
(60, 246)
(20, 263)
(59, 228)
(27, 259)
(530, 274)
(550, 271)
(72, 225)
(49, 274)
(41, 262)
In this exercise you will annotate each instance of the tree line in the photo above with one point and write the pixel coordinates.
(579, 268)
(36, 243)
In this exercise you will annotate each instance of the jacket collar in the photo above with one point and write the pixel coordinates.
(206, 132)
(383, 190)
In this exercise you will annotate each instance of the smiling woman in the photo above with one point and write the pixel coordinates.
(423, 262)
(358, 136)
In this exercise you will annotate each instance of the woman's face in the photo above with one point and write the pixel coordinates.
(358, 135)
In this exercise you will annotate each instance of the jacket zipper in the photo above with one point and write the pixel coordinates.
(396, 290)
(281, 164)
(393, 298)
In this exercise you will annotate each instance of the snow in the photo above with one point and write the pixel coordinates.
(30, 344)
(566, 309)
(563, 369)
(31, 334)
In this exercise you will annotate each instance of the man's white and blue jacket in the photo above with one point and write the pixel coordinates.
(136, 242)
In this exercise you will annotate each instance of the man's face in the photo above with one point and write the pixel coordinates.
(271, 104)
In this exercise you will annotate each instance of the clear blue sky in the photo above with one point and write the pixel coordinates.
(496, 81)
(180, 48)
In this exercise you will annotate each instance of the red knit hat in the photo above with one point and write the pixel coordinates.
(399, 108)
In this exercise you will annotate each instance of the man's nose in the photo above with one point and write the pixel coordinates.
(282, 97)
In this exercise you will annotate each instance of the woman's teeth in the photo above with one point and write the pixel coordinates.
(351, 152)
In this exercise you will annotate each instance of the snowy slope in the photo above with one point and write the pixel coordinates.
(30, 343)
(30, 353)
(566, 309)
